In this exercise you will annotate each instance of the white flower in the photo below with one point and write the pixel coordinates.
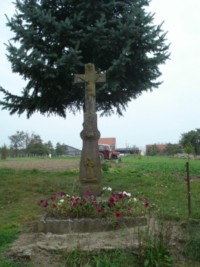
(127, 194)
(135, 199)
(67, 195)
(107, 189)
(62, 200)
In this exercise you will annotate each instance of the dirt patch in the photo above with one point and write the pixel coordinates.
(41, 164)
(41, 249)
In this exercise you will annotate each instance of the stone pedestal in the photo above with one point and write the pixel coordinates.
(90, 165)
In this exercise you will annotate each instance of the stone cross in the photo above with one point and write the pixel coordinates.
(90, 165)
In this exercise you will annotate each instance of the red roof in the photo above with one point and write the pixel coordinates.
(107, 141)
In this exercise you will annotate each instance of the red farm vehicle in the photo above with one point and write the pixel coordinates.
(105, 152)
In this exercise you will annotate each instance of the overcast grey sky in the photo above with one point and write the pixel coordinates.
(160, 116)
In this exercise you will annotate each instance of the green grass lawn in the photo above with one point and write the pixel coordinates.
(161, 179)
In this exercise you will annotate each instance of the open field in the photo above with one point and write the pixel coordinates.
(24, 182)
(44, 164)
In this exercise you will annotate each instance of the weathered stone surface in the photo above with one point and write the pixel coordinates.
(84, 225)
(28, 245)
(38, 247)
(90, 166)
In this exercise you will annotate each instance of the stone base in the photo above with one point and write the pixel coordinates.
(86, 225)
(94, 188)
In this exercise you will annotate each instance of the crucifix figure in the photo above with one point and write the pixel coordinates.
(90, 166)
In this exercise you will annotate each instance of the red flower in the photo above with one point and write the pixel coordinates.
(54, 206)
(146, 202)
(100, 210)
(117, 214)
(120, 195)
(44, 203)
(112, 200)
(74, 204)
(71, 199)
(77, 198)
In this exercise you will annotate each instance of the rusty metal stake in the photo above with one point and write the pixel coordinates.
(188, 187)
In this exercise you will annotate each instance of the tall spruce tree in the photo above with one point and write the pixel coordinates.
(53, 39)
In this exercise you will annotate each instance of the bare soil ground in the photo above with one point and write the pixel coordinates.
(47, 250)
(41, 164)
(41, 249)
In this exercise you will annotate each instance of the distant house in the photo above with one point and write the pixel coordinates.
(111, 141)
(130, 150)
(72, 151)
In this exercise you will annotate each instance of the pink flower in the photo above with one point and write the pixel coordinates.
(117, 214)
(53, 197)
(88, 193)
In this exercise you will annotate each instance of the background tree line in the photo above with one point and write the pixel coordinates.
(189, 143)
(23, 144)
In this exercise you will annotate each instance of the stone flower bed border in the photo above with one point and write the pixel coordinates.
(60, 226)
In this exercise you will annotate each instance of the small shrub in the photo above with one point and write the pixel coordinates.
(154, 247)
(191, 247)
(105, 167)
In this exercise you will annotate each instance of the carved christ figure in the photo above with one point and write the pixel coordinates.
(90, 78)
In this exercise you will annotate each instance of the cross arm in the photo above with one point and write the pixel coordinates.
(100, 78)
(79, 78)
